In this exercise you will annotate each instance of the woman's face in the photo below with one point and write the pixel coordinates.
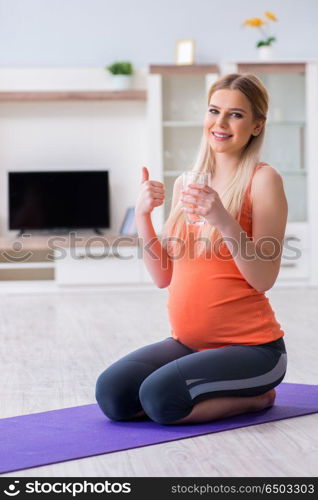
(229, 122)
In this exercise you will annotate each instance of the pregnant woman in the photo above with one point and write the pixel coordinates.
(226, 351)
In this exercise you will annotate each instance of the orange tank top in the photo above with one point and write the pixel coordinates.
(210, 303)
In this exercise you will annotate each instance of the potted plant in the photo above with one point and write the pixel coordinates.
(265, 45)
(121, 72)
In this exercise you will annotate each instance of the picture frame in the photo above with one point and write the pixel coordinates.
(185, 52)
(128, 226)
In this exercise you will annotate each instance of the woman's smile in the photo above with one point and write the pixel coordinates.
(220, 136)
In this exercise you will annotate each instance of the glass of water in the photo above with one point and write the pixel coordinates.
(195, 178)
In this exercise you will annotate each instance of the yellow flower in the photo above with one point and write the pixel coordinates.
(254, 22)
(257, 22)
(270, 16)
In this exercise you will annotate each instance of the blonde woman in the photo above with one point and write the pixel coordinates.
(226, 351)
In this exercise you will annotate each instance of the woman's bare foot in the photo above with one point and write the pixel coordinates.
(140, 414)
(265, 400)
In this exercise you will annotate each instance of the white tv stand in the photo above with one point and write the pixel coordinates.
(57, 260)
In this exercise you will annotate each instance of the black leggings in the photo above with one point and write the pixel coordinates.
(166, 379)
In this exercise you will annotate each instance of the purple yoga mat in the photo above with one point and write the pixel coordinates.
(83, 431)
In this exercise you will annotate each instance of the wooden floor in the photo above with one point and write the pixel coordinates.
(54, 346)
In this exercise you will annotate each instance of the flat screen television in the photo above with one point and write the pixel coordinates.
(59, 200)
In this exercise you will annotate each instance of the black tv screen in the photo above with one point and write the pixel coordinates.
(59, 200)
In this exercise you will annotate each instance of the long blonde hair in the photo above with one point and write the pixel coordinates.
(175, 229)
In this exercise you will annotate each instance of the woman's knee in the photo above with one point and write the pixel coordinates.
(114, 394)
(164, 396)
(108, 396)
(117, 389)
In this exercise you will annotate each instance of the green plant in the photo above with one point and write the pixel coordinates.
(120, 68)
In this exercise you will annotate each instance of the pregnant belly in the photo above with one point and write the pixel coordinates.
(216, 310)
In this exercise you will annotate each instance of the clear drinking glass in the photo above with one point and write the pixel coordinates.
(195, 178)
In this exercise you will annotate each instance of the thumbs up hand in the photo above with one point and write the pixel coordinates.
(144, 174)
(151, 194)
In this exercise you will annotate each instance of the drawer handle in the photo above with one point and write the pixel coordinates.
(292, 238)
(87, 256)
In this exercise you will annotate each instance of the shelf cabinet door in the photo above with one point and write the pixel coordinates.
(286, 132)
(285, 140)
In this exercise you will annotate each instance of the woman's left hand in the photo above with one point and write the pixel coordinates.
(205, 201)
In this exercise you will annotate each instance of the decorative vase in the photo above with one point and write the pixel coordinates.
(265, 52)
(121, 82)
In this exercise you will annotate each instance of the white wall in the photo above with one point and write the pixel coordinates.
(75, 135)
(82, 33)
